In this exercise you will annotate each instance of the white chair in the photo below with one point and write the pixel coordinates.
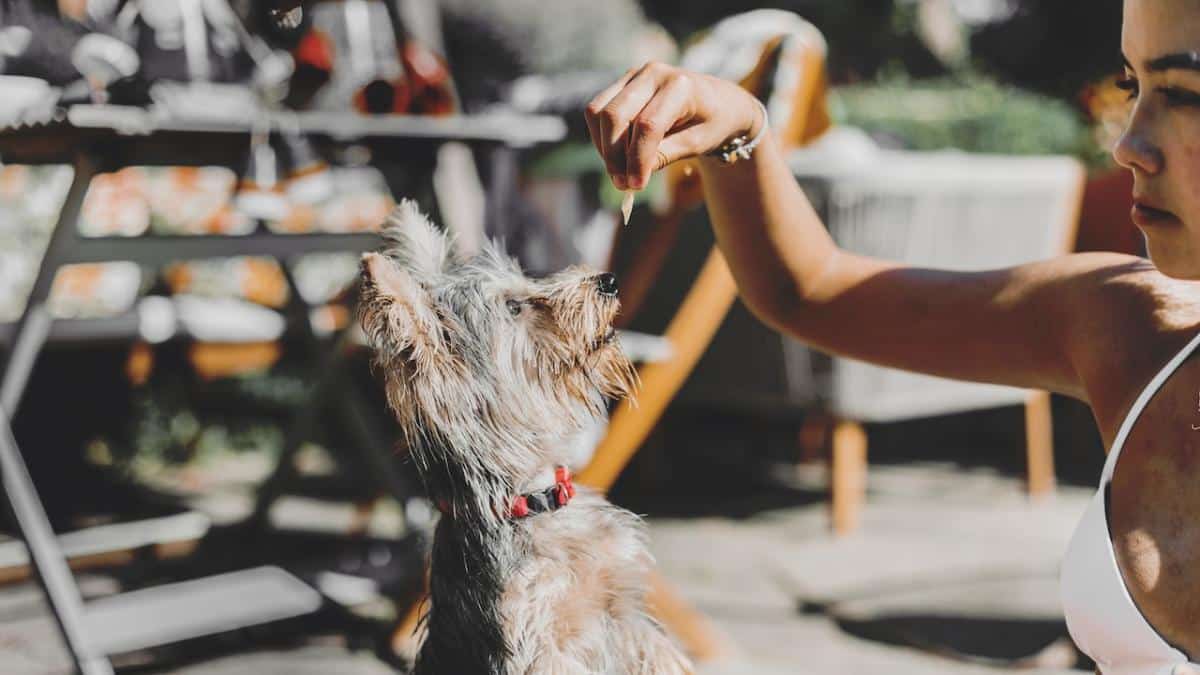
(946, 210)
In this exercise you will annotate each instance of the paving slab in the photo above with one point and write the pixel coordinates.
(953, 571)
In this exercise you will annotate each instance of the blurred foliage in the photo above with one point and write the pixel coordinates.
(970, 113)
(490, 43)
(177, 420)
(1057, 48)
(557, 37)
(564, 160)
(579, 160)
(1053, 47)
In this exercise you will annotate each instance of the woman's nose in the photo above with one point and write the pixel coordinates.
(1135, 149)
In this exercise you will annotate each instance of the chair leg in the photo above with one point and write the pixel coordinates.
(360, 521)
(1039, 444)
(406, 641)
(813, 437)
(702, 641)
(848, 484)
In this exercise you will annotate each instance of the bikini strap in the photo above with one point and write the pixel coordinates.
(1140, 404)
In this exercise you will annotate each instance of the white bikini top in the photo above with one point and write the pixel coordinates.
(1101, 616)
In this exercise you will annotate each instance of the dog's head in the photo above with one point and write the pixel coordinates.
(487, 370)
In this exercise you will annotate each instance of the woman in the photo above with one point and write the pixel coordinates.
(1113, 330)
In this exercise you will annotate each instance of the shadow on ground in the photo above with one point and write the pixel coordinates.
(989, 641)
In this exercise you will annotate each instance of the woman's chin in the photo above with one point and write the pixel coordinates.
(1174, 260)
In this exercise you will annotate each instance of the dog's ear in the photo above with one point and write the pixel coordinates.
(414, 242)
(411, 325)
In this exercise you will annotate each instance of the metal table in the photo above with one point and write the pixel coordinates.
(94, 139)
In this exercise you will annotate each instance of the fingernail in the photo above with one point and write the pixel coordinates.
(636, 183)
(620, 182)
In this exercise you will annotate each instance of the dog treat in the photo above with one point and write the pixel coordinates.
(627, 205)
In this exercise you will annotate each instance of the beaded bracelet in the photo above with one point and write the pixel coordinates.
(739, 147)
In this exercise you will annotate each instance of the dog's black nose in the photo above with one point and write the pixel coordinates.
(607, 283)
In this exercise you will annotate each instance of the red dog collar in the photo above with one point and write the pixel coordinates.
(552, 498)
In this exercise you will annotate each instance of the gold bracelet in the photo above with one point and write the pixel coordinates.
(739, 147)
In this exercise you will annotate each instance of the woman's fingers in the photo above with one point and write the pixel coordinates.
(592, 112)
(614, 117)
(660, 114)
(669, 110)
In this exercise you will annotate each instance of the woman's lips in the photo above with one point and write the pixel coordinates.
(1145, 215)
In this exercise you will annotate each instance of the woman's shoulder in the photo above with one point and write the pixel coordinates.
(1134, 301)
(1134, 319)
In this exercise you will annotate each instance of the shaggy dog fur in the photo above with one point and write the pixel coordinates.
(490, 374)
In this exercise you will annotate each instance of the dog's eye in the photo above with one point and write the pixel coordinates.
(514, 307)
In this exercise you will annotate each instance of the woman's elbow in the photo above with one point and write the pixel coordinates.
(777, 308)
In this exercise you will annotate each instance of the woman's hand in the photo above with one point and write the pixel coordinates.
(658, 114)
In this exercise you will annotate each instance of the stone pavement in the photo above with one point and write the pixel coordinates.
(953, 571)
(956, 561)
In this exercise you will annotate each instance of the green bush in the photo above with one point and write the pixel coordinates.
(974, 114)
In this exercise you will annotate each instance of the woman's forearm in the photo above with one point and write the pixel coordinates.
(984, 326)
(775, 244)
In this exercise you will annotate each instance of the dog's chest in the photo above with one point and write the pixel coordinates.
(569, 597)
(582, 575)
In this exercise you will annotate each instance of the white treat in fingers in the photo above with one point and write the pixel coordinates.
(627, 205)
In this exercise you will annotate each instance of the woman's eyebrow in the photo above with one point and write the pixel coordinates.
(1180, 61)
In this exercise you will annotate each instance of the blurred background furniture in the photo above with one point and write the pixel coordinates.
(233, 373)
(97, 138)
(948, 210)
(781, 59)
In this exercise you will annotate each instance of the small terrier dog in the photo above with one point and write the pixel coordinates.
(490, 374)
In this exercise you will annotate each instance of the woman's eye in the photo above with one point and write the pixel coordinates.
(1130, 85)
(1176, 96)
(514, 307)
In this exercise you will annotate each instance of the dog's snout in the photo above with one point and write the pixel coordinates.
(607, 284)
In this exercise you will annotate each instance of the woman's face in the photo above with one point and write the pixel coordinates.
(1161, 144)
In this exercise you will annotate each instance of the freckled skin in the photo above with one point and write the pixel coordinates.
(1154, 512)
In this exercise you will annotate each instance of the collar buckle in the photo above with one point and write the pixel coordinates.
(550, 499)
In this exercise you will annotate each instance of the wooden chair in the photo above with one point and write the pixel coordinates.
(789, 76)
(933, 210)
(942, 210)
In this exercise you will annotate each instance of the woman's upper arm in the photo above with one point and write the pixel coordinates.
(1025, 326)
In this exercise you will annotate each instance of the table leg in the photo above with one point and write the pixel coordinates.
(34, 325)
(22, 498)
(51, 565)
